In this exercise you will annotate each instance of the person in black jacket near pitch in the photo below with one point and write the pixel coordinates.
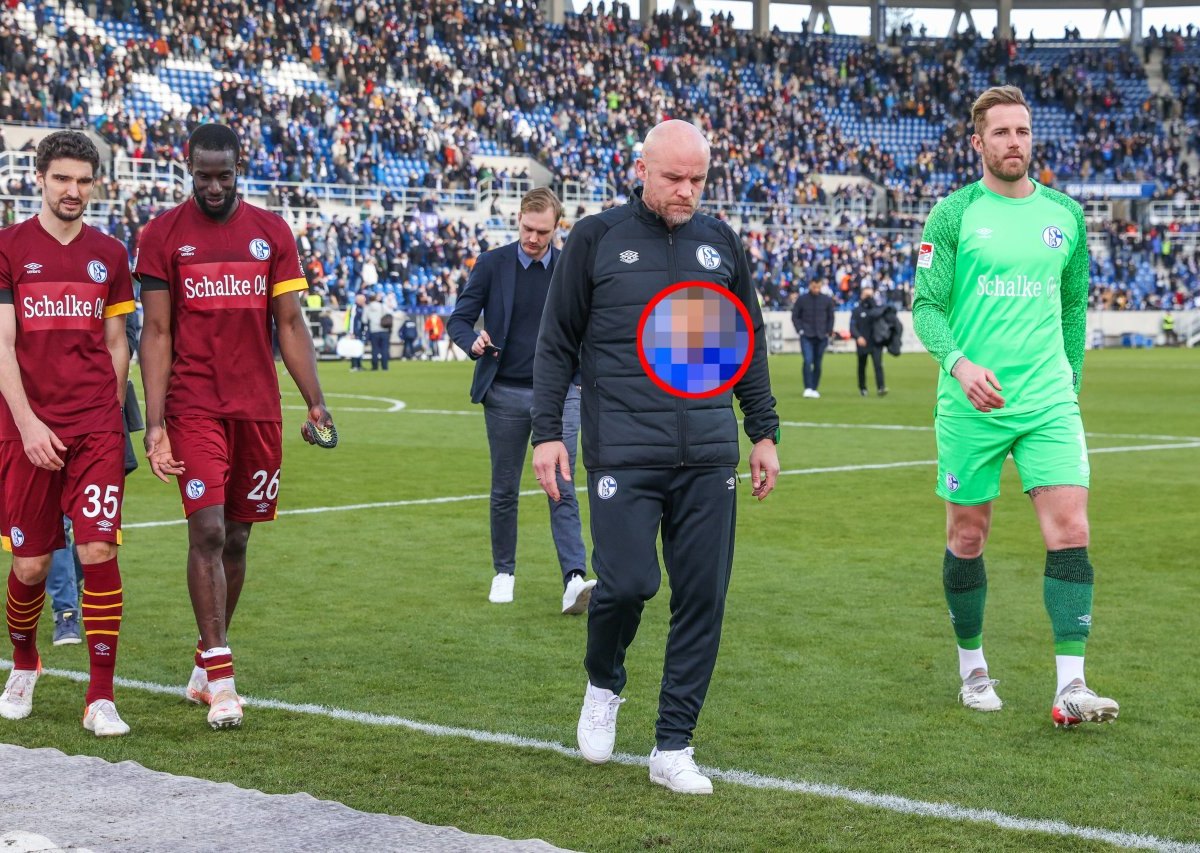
(812, 315)
(862, 329)
(656, 461)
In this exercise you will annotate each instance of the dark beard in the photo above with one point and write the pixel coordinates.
(222, 211)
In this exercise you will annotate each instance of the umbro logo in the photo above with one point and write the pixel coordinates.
(33, 268)
(628, 256)
(732, 483)
(262, 507)
(102, 648)
(983, 233)
(187, 251)
(105, 525)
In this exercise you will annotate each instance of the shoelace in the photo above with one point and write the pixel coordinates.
(981, 686)
(683, 763)
(18, 687)
(604, 714)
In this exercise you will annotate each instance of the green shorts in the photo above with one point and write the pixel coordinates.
(1048, 446)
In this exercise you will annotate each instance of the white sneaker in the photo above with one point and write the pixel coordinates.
(1077, 704)
(816, 395)
(225, 710)
(808, 392)
(102, 718)
(502, 588)
(978, 692)
(16, 702)
(597, 729)
(577, 595)
(677, 770)
(197, 688)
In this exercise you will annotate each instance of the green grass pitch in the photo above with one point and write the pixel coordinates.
(837, 664)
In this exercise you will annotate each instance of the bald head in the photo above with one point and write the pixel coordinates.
(674, 136)
(673, 168)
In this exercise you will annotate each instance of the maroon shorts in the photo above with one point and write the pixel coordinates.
(89, 488)
(228, 463)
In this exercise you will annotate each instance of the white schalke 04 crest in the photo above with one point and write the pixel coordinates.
(951, 482)
(606, 488)
(17, 536)
(1052, 236)
(195, 489)
(260, 248)
(98, 272)
(708, 257)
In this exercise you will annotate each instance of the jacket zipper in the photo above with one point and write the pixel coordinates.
(680, 411)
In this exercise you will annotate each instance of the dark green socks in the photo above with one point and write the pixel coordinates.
(1067, 591)
(965, 582)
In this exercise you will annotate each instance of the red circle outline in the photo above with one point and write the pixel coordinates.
(728, 384)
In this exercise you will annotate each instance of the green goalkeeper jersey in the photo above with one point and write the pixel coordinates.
(1004, 282)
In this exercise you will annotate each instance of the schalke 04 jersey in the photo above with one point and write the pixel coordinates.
(1011, 278)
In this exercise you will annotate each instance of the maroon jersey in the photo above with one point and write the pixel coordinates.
(222, 277)
(62, 295)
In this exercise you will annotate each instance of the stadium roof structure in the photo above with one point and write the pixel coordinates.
(820, 10)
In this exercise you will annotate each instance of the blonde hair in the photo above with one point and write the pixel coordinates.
(541, 199)
(995, 97)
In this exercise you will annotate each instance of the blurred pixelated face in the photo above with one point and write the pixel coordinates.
(214, 182)
(66, 188)
(673, 181)
(1006, 142)
(536, 230)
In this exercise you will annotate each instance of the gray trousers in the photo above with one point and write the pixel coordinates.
(506, 410)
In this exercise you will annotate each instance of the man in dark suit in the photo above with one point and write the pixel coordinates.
(508, 287)
(812, 315)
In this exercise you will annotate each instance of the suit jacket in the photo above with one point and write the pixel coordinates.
(489, 291)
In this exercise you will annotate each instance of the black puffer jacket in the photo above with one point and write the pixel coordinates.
(612, 266)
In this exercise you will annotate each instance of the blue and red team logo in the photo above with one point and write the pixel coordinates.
(695, 340)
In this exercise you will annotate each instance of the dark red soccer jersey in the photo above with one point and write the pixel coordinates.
(62, 295)
(222, 277)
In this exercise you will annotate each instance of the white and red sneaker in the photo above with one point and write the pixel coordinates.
(197, 687)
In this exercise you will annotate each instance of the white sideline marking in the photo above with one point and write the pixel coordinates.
(870, 799)
(909, 428)
(839, 469)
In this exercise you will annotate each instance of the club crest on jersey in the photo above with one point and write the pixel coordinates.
(260, 248)
(97, 272)
(195, 489)
(708, 257)
(606, 488)
(952, 483)
(1052, 236)
(925, 255)
(17, 535)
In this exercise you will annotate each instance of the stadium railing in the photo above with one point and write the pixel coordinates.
(1165, 212)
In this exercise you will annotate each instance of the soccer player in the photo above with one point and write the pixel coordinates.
(215, 272)
(1001, 300)
(64, 290)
